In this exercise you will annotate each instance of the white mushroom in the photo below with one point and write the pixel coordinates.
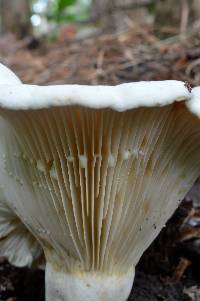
(96, 172)
(17, 243)
(7, 77)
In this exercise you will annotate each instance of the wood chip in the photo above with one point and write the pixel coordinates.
(181, 268)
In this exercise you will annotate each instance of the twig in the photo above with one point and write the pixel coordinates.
(184, 17)
(176, 38)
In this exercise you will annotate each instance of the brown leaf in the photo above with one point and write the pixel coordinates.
(181, 268)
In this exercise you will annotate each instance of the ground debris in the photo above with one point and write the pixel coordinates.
(136, 54)
(181, 268)
(154, 288)
(193, 292)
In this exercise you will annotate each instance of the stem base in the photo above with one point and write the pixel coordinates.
(61, 286)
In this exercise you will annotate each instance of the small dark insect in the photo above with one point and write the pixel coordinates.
(187, 85)
(154, 226)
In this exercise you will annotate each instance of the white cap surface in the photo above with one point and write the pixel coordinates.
(8, 77)
(119, 98)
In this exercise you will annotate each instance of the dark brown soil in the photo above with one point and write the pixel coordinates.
(21, 284)
(155, 288)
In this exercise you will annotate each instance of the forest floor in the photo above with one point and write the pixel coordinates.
(169, 269)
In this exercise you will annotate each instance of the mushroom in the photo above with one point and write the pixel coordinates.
(17, 243)
(95, 172)
(7, 77)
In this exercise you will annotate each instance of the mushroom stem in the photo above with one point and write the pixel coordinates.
(62, 286)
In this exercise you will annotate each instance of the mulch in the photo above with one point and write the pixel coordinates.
(136, 54)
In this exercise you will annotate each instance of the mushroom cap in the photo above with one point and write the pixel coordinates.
(97, 171)
(17, 243)
(194, 102)
(119, 98)
(8, 77)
